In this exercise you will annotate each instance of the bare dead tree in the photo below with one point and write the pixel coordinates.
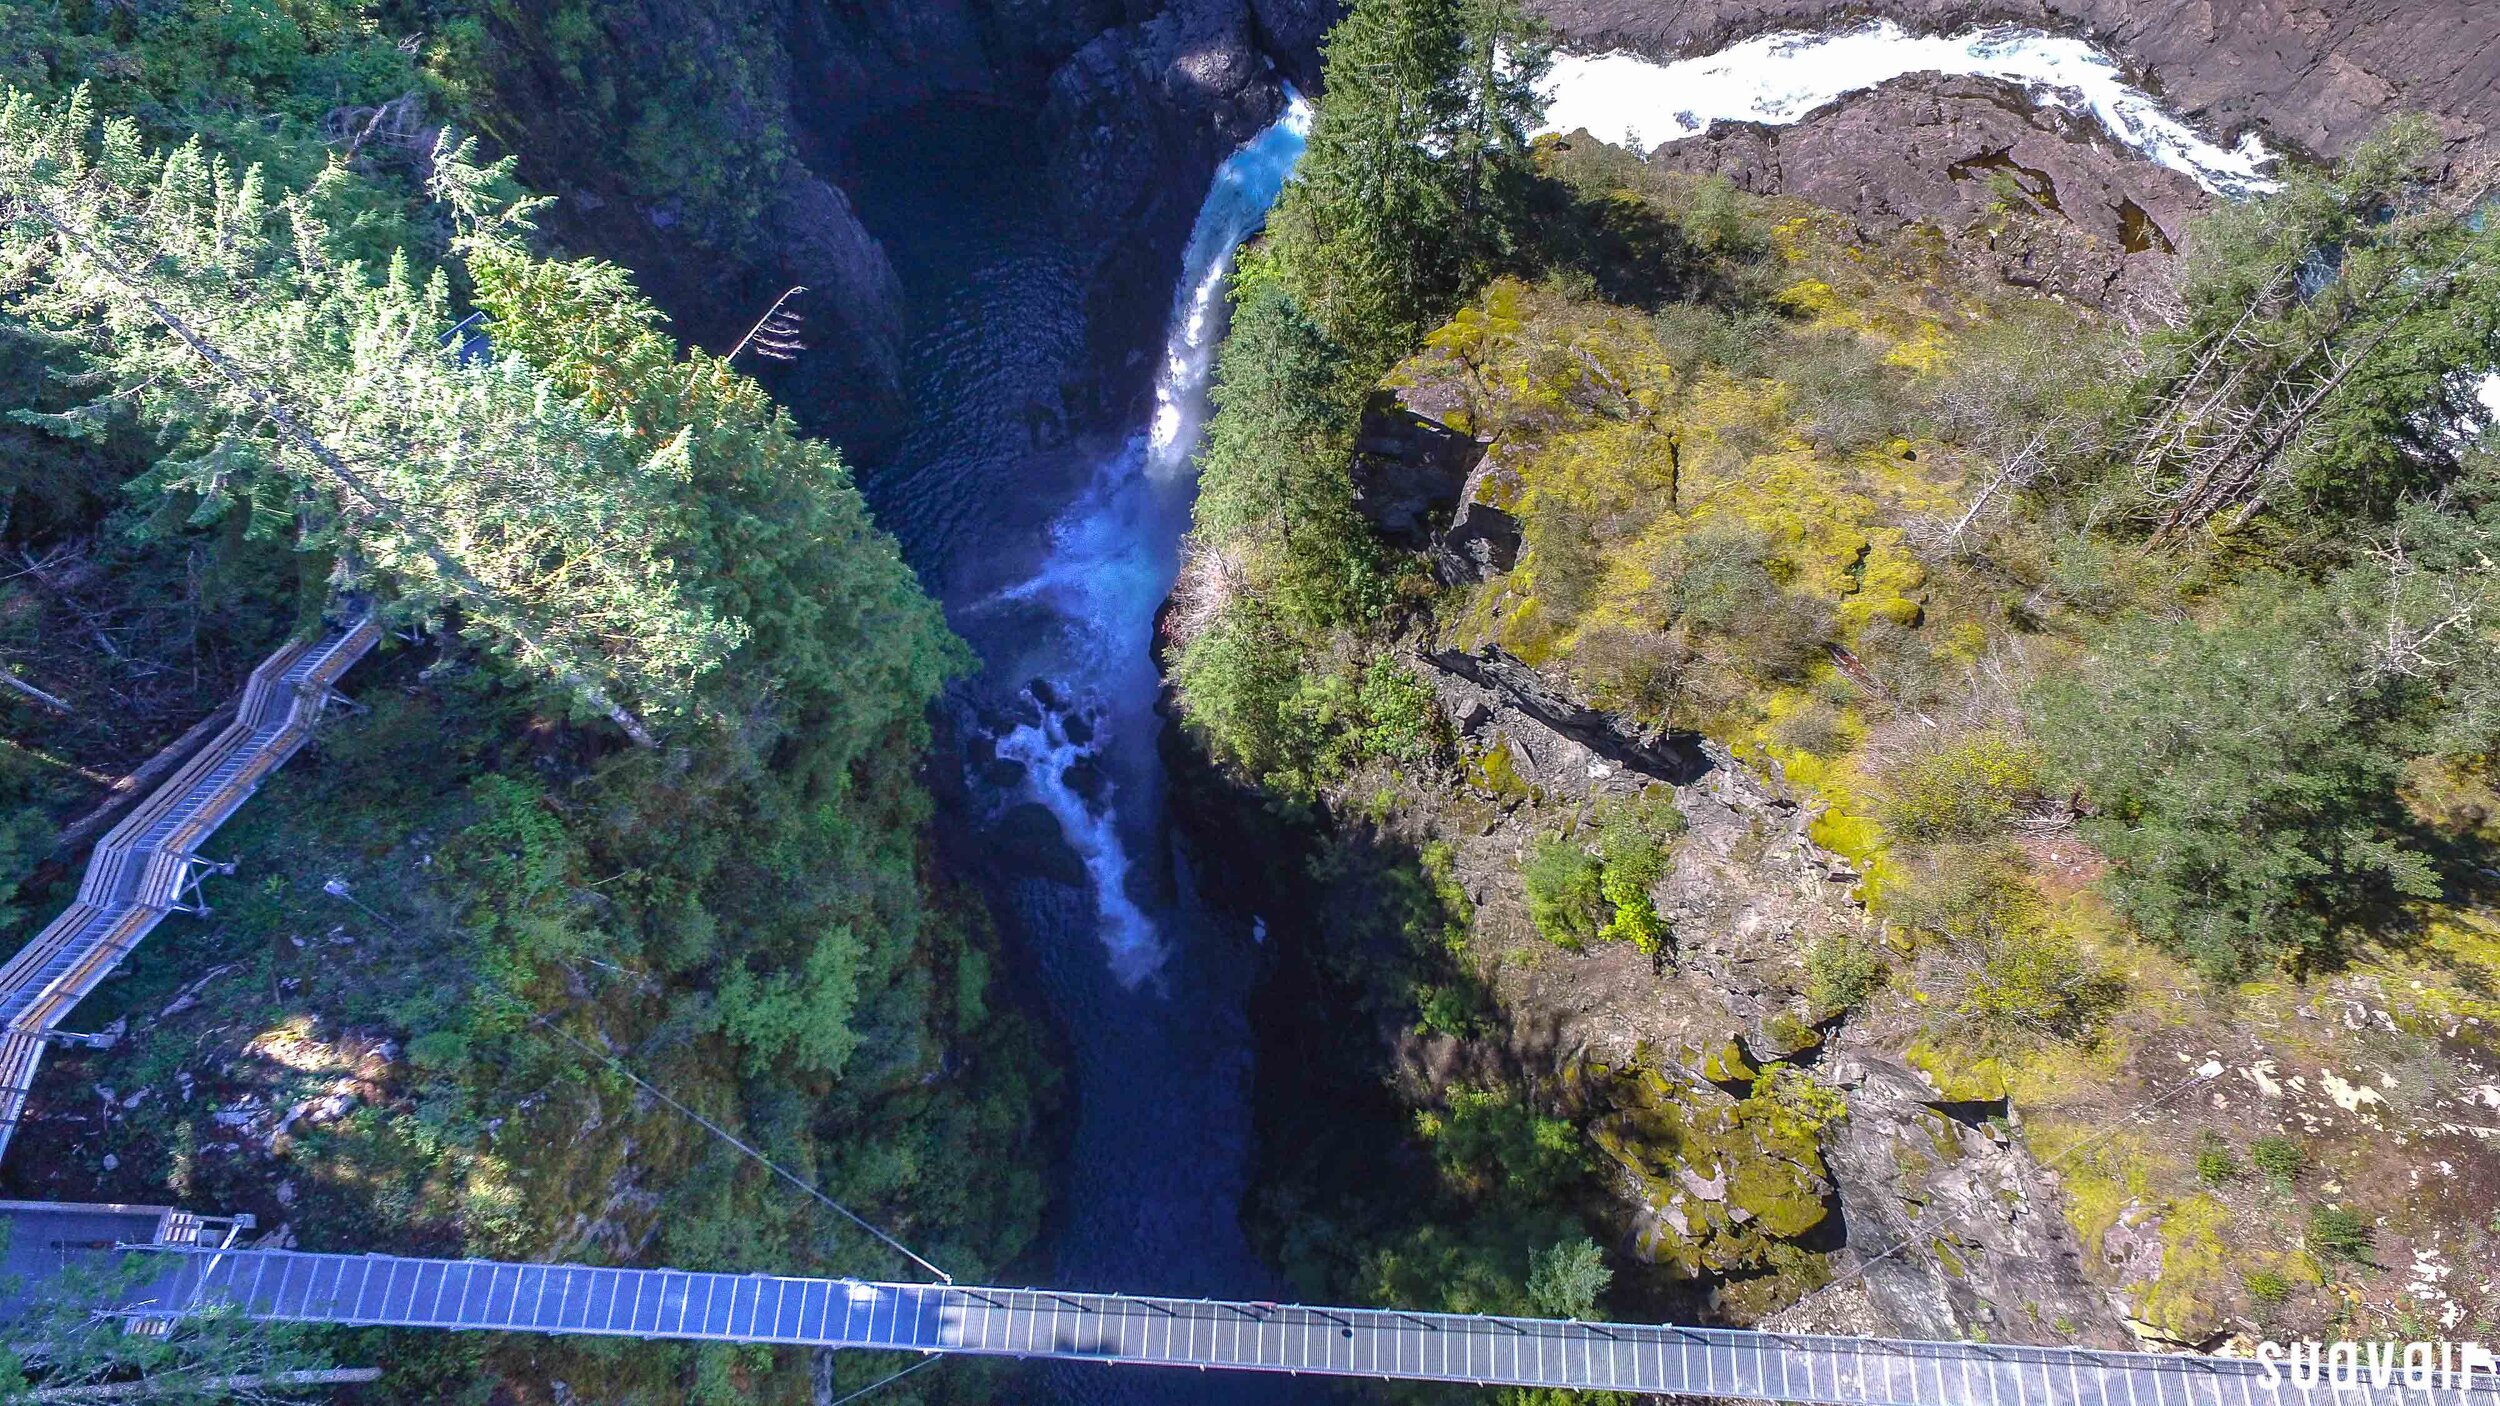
(398, 124)
(775, 335)
(35, 695)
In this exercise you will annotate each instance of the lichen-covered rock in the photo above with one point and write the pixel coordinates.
(2041, 196)
(1719, 1179)
(1553, 745)
(1954, 1231)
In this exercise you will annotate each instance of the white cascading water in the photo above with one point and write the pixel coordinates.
(1779, 78)
(1113, 557)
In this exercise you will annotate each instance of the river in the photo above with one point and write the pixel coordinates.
(1050, 530)
(1052, 543)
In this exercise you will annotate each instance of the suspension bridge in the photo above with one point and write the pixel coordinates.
(189, 1267)
(171, 1264)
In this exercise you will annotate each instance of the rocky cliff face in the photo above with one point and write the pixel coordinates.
(1688, 1072)
(2315, 75)
(704, 145)
(2041, 196)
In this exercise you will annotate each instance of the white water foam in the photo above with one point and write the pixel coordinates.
(1779, 78)
(1128, 935)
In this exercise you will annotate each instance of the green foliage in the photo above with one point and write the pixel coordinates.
(1566, 1280)
(237, 318)
(2004, 975)
(1405, 193)
(1400, 717)
(1575, 895)
(25, 836)
(2281, 1159)
(1490, 1138)
(2314, 374)
(1291, 710)
(2215, 1166)
(2267, 1288)
(67, 1343)
(690, 115)
(1561, 880)
(2252, 807)
(1634, 836)
(745, 917)
(2338, 1234)
(1841, 972)
(255, 78)
(1964, 788)
(1274, 498)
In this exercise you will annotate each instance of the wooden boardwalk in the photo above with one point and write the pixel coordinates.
(149, 865)
(387, 1290)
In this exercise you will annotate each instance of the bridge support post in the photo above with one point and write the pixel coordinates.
(187, 895)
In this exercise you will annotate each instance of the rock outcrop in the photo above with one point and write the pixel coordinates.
(1409, 471)
(1955, 1231)
(2043, 196)
(1138, 116)
(1551, 745)
(2314, 76)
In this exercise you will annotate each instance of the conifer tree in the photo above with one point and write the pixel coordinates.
(1400, 199)
(293, 382)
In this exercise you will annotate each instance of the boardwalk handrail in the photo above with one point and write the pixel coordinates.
(404, 1292)
(141, 869)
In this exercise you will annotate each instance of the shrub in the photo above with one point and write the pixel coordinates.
(2279, 1158)
(2245, 777)
(1562, 882)
(1399, 718)
(1963, 789)
(1565, 1279)
(1237, 682)
(2214, 1163)
(1634, 839)
(2338, 1234)
(1842, 972)
(1851, 397)
(2267, 1288)
(2003, 972)
(1819, 731)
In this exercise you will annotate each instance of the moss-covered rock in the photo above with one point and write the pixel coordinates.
(1722, 1180)
(1958, 1078)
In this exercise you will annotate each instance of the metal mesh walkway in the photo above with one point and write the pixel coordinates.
(149, 864)
(392, 1291)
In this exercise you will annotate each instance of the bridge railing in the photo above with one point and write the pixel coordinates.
(138, 871)
(385, 1290)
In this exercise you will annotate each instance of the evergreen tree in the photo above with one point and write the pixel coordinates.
(294, 382)
(1273, 488)
(2333, 337)
(1401, 198)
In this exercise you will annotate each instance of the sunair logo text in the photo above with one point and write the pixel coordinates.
(2418, 1366)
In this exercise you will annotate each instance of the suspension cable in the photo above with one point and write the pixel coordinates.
(888, 1380)
(726, 1136)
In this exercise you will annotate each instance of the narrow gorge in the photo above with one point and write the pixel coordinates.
(1739, 662)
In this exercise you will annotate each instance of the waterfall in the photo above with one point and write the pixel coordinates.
(1112, 558)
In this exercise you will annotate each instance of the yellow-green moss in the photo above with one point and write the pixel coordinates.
(1958, 1078)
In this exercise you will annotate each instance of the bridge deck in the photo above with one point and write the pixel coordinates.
(140, 868)
(656, 1303)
